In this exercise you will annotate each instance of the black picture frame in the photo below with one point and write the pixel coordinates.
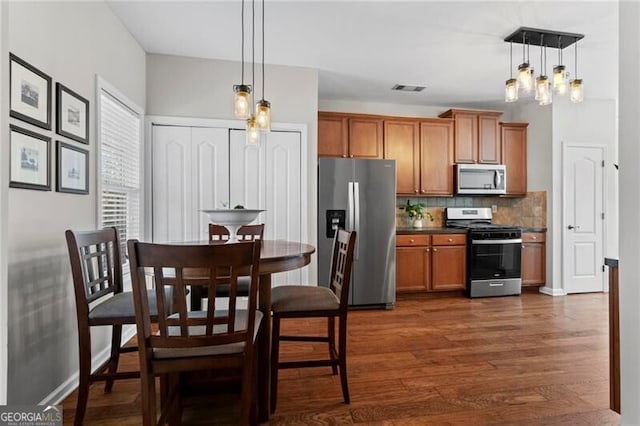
(72, 168)
(28, 85)
(72, 114)
(30, 160)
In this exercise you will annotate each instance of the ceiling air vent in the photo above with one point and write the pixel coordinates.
(408, 88)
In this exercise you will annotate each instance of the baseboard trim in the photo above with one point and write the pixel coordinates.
(61, 392)
(549, 291)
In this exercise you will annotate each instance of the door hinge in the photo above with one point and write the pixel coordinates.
(602, 215)
(602, 163)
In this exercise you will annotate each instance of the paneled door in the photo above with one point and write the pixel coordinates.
(583, 221)
(268, 177)
(190, 172)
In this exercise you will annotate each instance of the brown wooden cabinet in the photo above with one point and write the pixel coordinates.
(534, 271)
(402, 143)
(413, 263)
(349, 135)
(476, 135)
(514, 157)
(436, 157)
(429, 263)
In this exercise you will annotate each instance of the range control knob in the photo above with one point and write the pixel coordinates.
(485, 236)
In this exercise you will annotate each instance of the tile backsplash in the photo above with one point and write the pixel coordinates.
(530, 211)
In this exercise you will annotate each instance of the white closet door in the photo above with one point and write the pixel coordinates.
(283, 194)
(190, 172)
(172, 195)
(246, 173)
(210, 174)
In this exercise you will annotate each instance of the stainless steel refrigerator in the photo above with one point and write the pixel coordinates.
(360, 195)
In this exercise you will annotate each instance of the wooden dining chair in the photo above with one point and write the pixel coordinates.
(96, 269)
(303, 301)
(220, 233)
(189, 341)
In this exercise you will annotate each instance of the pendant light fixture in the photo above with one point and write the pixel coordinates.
(253, 135)
(576, 93)
(525, 72)
(544, 86)
(560, 73)
(263, 107)
(242, 91)
(511, 88)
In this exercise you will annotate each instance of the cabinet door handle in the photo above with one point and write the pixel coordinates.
(450, 240)
(427, 250)
(534, 237)
(435, 249)
(351, 156)
(415, 190)
(344, 156)
(523, 246)
(424, 191)
(411, 241)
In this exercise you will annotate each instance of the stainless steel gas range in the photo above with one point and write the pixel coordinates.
(493, 252)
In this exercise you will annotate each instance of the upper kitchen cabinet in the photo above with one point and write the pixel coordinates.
(402, 143)
(514, 157)
(476, 135)
(436, 157)
(349, 135)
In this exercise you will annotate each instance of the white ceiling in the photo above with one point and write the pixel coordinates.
(361, 49)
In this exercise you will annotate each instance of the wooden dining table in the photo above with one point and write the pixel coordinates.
(275, 256)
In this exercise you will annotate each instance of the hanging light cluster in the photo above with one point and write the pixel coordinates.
(543, 86)
(258, 120)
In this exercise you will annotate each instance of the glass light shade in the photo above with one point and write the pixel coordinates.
(576, 90)
(263, 115)
(560, 79)
(511, 90)
(253, 134)
(525, 77)
(242, 104)
(543, 90)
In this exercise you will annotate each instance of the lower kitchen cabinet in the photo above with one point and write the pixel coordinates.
(534, 270)
(429, 263)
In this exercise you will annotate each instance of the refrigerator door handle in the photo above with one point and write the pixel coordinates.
(350, 207)
(356, 216)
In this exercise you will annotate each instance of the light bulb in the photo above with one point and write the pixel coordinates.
(525, 77)
(511, 90)
(253, 134)
(576, 90)
(242, 104)
(263, 115)
(559, 79)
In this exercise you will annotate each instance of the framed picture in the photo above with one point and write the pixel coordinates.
(73, 169)
(30, 155)
(29, 93)
(72, 114)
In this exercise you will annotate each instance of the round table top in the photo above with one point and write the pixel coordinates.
(275, 255)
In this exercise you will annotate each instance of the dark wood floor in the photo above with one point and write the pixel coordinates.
(529, 360)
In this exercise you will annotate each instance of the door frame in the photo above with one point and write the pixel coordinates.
(603, 149)
(165, 120)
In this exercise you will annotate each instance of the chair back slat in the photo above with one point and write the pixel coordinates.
(96, 265)
(176, 267)
(341, 263)
(245, 232)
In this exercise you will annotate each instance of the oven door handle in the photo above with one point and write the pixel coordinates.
(515, 241)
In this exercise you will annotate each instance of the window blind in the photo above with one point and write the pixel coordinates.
(120, 145)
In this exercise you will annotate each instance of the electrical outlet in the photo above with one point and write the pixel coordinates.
(494, 208)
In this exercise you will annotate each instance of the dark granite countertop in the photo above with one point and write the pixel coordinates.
(534, 229)
(407, 230)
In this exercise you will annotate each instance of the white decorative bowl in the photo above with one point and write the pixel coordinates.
(232, 219)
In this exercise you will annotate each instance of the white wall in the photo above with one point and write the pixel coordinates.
(398, 110)
(202, 88)
(4, 185)
(71, 42)
(629, 39)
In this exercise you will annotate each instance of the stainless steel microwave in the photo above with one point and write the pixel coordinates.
(481, 179)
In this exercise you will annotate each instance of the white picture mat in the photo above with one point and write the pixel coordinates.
(78, 125)
(19, 74)
(20, 141)
(74, 169)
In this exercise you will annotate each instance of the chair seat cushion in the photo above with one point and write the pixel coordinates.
(119, 309)
(232, 348)
(303, 298)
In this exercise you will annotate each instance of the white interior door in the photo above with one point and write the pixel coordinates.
(583, 223)
(246, 173)
(190, 172)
